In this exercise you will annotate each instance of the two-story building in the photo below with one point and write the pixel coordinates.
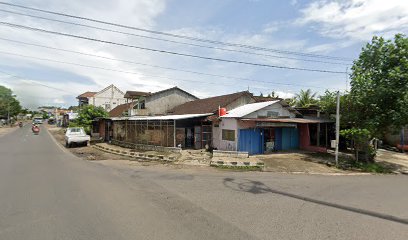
(151, 104)
(108, 98)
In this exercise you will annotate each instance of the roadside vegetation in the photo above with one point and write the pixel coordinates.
(348, 163)
(86, 114)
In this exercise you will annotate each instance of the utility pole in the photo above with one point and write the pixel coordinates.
(337, 127)
(8, 109)
(402, 140)
(8, 113)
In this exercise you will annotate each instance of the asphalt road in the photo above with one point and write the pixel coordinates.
(47, 193)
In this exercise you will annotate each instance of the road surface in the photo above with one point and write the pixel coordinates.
(47, 193)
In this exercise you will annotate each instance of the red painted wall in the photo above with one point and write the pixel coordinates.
(304, 137)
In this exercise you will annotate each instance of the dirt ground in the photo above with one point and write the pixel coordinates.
(6, 130)
(395, 160)
(300, 162)
(295, 162)
(85, 152)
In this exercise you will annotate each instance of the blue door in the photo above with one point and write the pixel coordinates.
(290, 138)
(251, 141)
(278, 139)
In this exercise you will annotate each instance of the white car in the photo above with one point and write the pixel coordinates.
(77, 136)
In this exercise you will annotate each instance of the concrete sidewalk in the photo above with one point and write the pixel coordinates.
(397, 161)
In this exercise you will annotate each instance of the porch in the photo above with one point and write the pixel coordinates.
(191, 131)
(271, 135)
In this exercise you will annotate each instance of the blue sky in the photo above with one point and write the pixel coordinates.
(330, 28)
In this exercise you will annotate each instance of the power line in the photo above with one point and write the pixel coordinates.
(33, 82)
(168, 52)
(171, 41)
(154, 66)
(145, 75)
(176, 35)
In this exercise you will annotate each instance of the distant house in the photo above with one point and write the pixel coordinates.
(108, 98)
(151, 104)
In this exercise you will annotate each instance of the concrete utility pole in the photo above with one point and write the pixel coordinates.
(402, 140)
(337, 127)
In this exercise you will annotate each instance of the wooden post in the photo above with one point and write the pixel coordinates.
(174, 132)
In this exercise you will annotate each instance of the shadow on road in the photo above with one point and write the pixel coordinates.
(256, 187)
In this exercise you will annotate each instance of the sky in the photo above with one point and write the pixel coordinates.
(48, 69)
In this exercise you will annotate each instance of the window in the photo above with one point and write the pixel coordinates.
(228, 135)
(272, 114)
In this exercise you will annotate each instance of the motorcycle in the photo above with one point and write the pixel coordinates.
(35, 129)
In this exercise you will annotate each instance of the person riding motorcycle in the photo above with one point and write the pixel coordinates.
(35, 128)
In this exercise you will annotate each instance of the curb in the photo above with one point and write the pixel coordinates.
(236, 163)
(135, 155)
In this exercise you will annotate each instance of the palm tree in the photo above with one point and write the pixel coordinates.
(305, 98)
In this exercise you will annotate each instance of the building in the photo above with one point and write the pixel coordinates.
(212, 104)
(151, 104)
(269, 126)
(188, 125)
(108, 98)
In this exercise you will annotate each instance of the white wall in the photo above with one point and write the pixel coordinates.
(108, 98)
(230, 124)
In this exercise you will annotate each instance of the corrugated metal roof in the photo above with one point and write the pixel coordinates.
(247, 109)
(166, 117)
(287, 120)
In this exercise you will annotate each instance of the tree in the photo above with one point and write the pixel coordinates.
(305, 98)
(379, 86)
(85, 116)
(360, 139)
(261, 95)
(327, 102)
(274, 95)
(8, 103)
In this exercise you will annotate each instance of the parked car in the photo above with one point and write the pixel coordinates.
(76, 136)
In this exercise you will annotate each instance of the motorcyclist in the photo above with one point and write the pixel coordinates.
(35, 128)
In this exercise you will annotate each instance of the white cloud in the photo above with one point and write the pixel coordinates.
(357, 19)
(136, 13)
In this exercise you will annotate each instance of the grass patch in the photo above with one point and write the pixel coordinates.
(239, 168)
(348, 163)
(371, 167)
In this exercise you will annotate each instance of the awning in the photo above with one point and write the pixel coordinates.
(165, 117)
(287, 120)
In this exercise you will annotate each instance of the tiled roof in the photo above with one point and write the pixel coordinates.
(208, 105)
(87, 94)
(130, 94)
(265, 99)
(120, 109)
